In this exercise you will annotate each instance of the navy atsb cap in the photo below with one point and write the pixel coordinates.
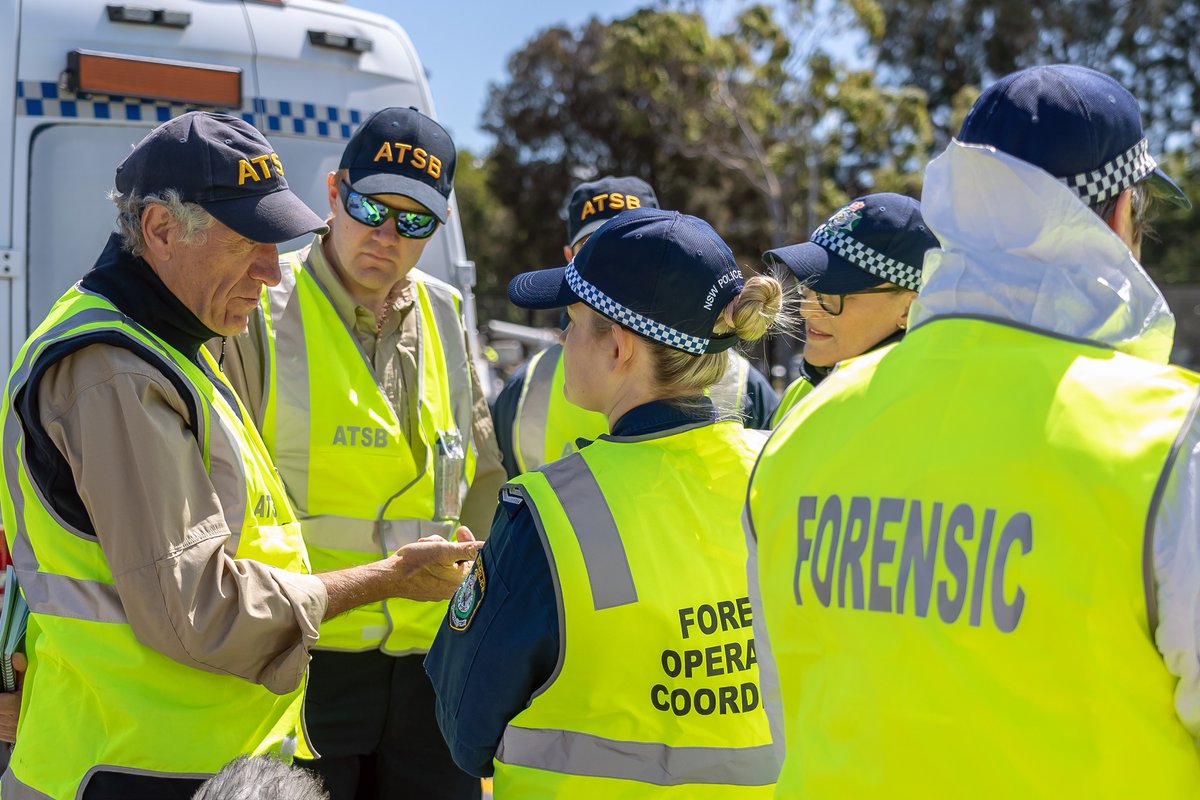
(224, 165)
(593, 203)
(1079, 125)
(402, 151)
(662, 274)
(876, 239)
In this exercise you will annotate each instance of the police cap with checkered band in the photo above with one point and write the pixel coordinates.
(874, 239)
(662, 274)
(1079, 125)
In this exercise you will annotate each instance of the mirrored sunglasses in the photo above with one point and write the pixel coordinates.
(372, 213)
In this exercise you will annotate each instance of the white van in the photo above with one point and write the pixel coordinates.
(82, 80)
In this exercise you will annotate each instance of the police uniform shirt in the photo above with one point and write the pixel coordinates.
(485, 674)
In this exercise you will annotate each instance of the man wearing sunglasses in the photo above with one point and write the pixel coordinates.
(357, 371)
(858, 274)
(171, 613)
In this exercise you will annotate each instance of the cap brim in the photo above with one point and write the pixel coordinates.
(821, 270)
(587, 230)
(267, 218)
(367, 182)
(543, 288)
(1168, 189)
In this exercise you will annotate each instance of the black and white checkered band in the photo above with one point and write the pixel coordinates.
(631, 319)
(1114, 177)
(867, 258)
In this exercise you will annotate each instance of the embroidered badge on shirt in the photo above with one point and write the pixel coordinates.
(466, 600)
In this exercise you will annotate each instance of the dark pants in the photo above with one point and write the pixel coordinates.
(371, 718)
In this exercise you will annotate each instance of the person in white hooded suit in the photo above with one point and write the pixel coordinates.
(977, 550)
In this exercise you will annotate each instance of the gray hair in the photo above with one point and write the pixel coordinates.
(193, 219)
(261, 778)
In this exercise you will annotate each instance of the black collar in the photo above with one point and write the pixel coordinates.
(134, 288)
(662, 415)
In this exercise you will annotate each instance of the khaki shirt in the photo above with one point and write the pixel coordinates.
(123, 429)
(392, 351)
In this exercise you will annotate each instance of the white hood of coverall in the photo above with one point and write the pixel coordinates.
(1019, 246)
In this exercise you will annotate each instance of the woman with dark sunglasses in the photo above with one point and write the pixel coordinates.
(858, 274)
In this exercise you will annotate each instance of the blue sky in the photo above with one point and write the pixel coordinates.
(465, 45)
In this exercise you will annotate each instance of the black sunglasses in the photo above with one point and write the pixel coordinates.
(372, 213)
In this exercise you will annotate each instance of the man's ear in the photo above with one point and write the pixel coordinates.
(567, 254)
(331, 184)
(158, 232)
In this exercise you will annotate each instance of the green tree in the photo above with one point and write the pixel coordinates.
(742, 128)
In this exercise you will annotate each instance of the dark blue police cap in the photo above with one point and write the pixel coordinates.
(223, 164)
(1079, 125)
(662, 274)
(593, 203)
(876, 239)
(402, 151)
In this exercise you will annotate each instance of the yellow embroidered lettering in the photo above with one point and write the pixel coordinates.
(435, 167)
(418, 158)
(385, 152)
(632, 201)
(278, 164)
(401, 149)
(246, 171)
(616, 201)
(588, 210)
(261, 163)
(599, 200)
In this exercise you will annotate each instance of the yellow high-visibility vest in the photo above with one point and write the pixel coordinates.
(953, 575)
(96, 698)
(797, 391)
(548, 425)
(656, 693)
(361, 488)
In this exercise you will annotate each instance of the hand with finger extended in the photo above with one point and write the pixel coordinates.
(432, 570)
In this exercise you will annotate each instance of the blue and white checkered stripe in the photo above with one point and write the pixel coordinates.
(1114, 177)
(632, 319)
(287, 117)
(868, 258)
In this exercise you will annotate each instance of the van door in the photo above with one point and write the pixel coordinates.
(67, 146)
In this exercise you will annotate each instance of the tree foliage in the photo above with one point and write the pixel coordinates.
(751, 128)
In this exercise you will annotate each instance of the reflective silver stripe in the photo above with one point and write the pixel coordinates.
(768, 675)
(60, 596)
(291, 379)
(368, 536)
(228, 475)
(12, 788)
(533, 408)
(49, 593)
(453, 339)
(574, 753)
(726, 393)
(599, 540)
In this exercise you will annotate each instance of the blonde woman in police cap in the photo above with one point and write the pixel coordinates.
(603, 643)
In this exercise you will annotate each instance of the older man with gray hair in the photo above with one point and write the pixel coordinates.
(171, 607)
